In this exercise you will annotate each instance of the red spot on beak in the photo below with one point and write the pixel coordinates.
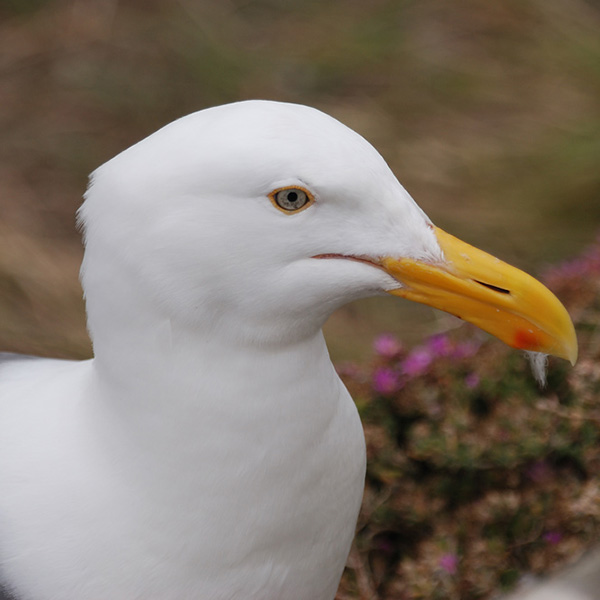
(525, 339)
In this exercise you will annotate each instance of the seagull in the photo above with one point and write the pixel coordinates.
(209, 450)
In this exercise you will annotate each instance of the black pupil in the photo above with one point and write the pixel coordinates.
(292, 196)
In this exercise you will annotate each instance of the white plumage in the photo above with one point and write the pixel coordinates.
(209, 450)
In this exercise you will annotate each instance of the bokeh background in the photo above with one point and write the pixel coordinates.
(488, 112)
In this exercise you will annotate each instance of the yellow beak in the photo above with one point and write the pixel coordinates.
(489, 293)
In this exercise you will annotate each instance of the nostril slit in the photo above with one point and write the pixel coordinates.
(495, 288)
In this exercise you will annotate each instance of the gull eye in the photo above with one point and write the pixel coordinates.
(291, 199)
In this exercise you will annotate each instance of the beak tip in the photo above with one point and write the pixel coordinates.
(570, 346)
(573, 352)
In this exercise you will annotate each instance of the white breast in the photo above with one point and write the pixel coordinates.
(256, 502)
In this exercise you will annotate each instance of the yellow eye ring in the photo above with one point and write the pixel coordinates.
(291, 199)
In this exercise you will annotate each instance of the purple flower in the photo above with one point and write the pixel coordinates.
(578, 267)
(552, 537)
(465, 349)
(385, 545)
(440, 345)
(472, 380)
(417, 362)
(585, 265)
(449, 562)
(386, 381)
(387, 345)
(348, 369)
(539, 471)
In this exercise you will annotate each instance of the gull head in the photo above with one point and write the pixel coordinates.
(256, 220)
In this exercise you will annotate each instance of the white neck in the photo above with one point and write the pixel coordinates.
(168, 390)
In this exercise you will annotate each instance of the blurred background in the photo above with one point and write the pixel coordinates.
(488, 112)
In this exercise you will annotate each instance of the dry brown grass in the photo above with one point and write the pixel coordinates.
(488, 113)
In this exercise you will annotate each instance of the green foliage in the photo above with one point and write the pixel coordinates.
(23, 7)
